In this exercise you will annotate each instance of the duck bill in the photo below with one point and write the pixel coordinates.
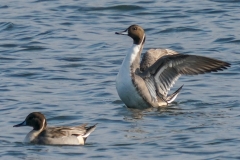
(21, 124)
(123, 32)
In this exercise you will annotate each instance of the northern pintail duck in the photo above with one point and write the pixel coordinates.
(41, 134)
(147, 83)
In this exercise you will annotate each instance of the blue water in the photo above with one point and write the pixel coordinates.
(61, 58)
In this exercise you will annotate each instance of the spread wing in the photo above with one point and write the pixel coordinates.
(152, 55)
(161, 75)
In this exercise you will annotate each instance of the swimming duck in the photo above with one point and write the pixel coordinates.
(147, 83)
(41, 134)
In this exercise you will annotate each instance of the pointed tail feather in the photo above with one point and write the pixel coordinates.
(173, 96)
(89, 131)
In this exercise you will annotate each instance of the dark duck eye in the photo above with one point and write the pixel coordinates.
(134, 28)
(30, 118)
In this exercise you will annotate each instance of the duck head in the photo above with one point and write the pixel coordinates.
(35, 119)
(136, 32)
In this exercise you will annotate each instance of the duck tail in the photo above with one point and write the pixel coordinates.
(89, 131)
(173, 96)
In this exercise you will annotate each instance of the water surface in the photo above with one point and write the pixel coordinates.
(62, 57)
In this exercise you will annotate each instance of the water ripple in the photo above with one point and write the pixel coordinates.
(115, 8)
(6, 26)
(62, 59)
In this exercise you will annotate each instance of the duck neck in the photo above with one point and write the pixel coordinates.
(32, 135)
(133, 57)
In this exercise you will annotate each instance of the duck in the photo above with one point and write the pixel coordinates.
(41, 134)
(145, 83)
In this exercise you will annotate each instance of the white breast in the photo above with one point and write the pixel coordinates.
(33, 134)
(125, 88)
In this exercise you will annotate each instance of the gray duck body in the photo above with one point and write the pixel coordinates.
(144, 84)
(41, 134)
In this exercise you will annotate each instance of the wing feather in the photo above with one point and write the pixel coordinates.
(58, 132)
(165, 71)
